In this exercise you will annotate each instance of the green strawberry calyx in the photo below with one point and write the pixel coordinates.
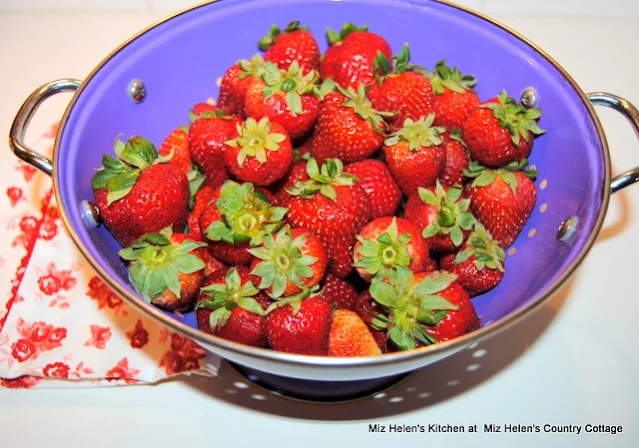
(445, 77)
(383, 68)
(196, 180)
(519, 121)
(418, 134)
(295, 301)
(252, 67)
(363, 107)
(385, 254)
(293, 82)
(119, 175)
(275, 32)
(206, 115)
(452, 212)
(412, 308)
(486, 250)
(255, 139)
(155, 263)
(484, 176)
(348, 28)
(323, 180)
(225, 297)
(247, 215)
(283, 261)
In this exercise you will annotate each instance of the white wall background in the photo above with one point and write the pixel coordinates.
(528, 7)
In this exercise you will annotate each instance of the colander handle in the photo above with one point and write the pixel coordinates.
(632, 115)
(23, 117)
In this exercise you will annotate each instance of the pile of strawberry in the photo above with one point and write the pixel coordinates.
(344, 204)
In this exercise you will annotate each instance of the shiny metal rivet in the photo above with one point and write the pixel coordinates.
(90, 214)
(529, 97)
(567, 229)
(137, 90)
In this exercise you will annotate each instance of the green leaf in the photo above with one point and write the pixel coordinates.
(218, 231)
(453, 194)
(113, 196)
(432, 302)
(401, 277)
(279, 286)
(187, 263)
(456, 236)
(427, 196)
(252, 305)
(100, 178)
(431, 230)
(137, 275)
(402, 338)
(484, 179)
(294, 101)
(466, 220)
(384, 294)
(510, 179)
(463, 255)
(434, 283)
(218, 318)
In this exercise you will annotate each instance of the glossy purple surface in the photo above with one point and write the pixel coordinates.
(180, 61)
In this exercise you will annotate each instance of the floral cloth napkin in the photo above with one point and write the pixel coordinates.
(60, 325)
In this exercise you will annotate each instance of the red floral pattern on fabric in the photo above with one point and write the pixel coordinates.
(36, 338)
(122, 371)
(184, 355)
(139, 336)
(99, 337)
(22, 382)
(105, 297)
(57, 370)
(15, 195)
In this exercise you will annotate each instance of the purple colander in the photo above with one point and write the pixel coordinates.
(135, 92)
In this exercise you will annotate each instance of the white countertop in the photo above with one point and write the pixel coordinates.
(573, 362)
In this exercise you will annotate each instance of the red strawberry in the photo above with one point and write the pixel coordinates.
(416, 155)
(348, 128)
(442, 216)
(502, 200)
(299, 325)
(231, 307)
(296, 174)
(454, 98)
(177, 143)
(212, 264)
(261, 153)
(236, 82)
(294, 43)
(288, 262)
(286, 98)
(349, 59)
(338, 292)
(367, 308)
(139, 193)
(166, 268)
(479, 265)
(378, 183)
(207, 137)
(501, 131)
(350, 337)
(404, 92)
(239, 217)
(423, 309)
(334, 207)
(459, 320)
(387, 245)
(456, 159)
(199, 109)
(202, 199)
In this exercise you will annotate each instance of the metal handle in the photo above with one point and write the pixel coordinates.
(20, 123)
(632, 115)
